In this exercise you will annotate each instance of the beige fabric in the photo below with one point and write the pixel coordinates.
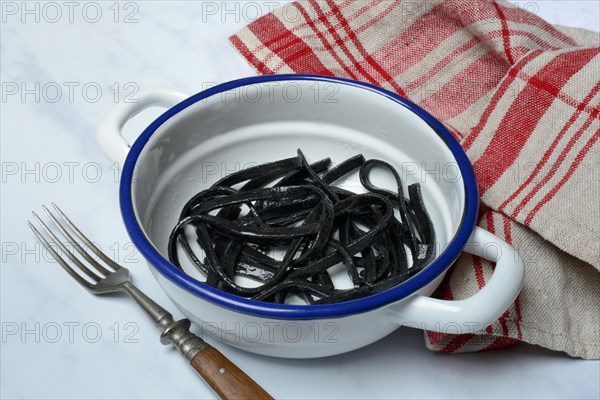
(583, 37)
(559, 307)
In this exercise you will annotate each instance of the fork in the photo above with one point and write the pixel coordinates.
(224, 377)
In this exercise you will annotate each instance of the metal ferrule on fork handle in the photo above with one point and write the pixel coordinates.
(178, 333)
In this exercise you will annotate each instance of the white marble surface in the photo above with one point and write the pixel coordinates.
(60, 342)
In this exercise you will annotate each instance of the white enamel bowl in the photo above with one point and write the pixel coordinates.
(255, 120)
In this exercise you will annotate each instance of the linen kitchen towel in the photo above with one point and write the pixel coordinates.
(522, 97)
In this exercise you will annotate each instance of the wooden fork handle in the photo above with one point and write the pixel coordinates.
(227, 380)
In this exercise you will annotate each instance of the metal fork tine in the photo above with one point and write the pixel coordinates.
(85, 240)
(58, 258)
(91, 274)
(80, 249)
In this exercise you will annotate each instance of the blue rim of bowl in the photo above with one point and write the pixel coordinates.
(297, 312)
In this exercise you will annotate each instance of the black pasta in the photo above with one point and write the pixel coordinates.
(292, 207)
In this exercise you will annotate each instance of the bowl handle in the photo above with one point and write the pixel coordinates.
(110, 137)
(481, 309)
